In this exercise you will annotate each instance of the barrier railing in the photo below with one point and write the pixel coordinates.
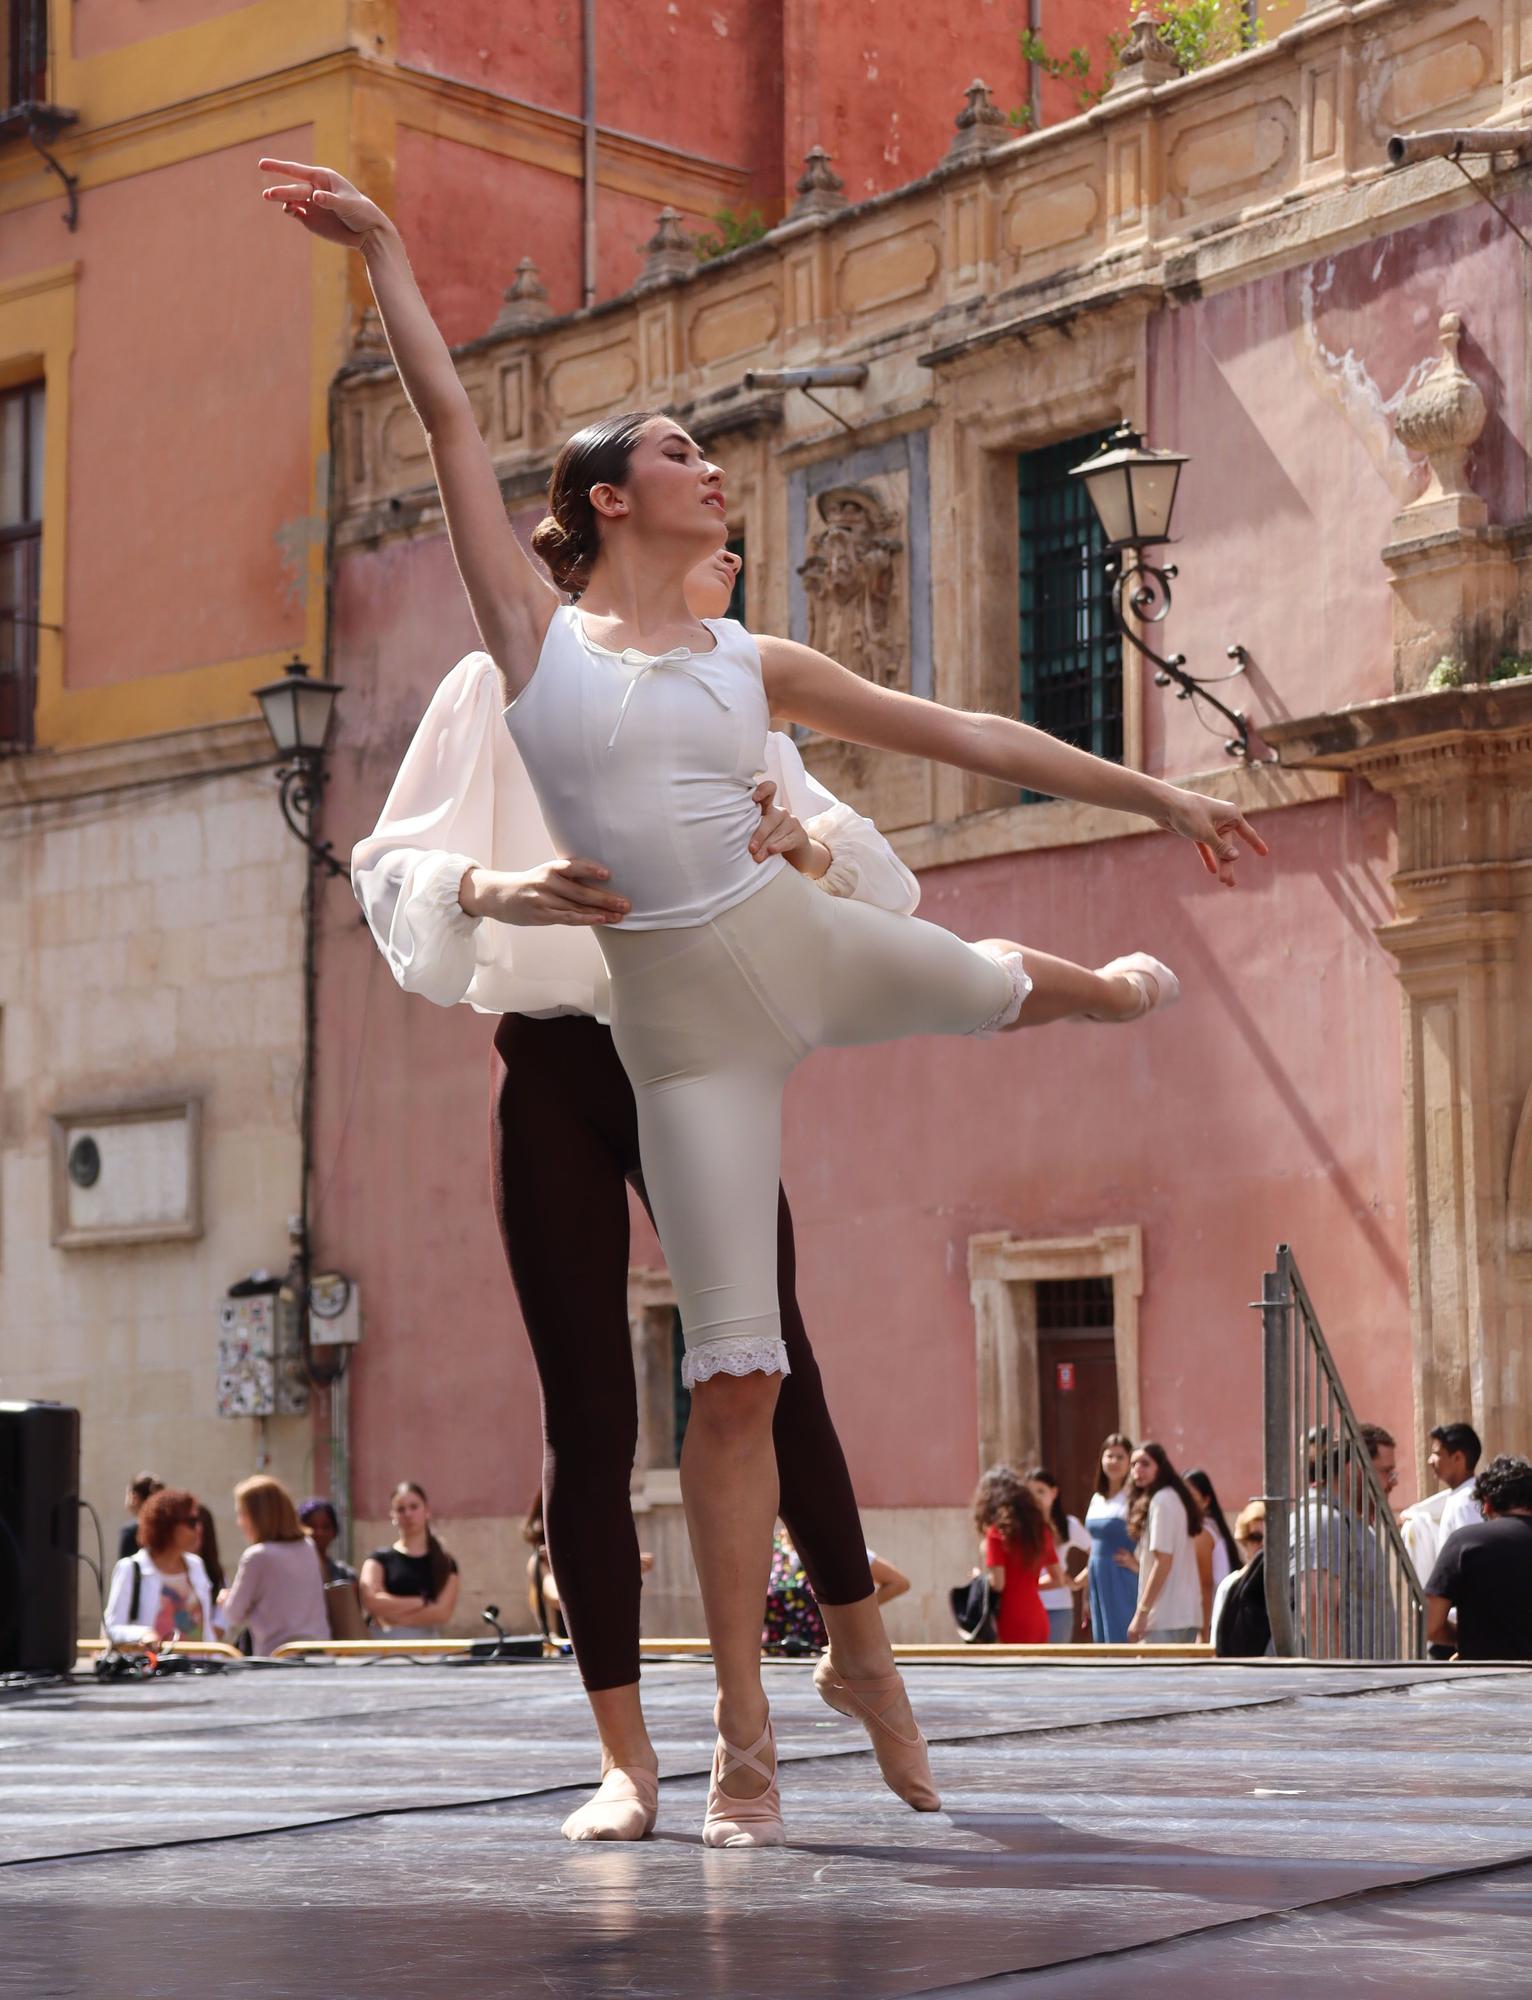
(1339, 1580)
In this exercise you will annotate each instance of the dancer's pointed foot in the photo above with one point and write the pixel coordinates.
(883, 1708)
(624, 1807)
(1143, 985)
(753, 1821)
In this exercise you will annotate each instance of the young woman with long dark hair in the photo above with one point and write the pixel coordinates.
(410, 1586)
(1068, 1533)
(722, 971)
(1226, 1555)
(1112, 1576)
(1165, 1521)
(1018, 1555)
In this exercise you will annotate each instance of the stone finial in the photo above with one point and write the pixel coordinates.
(1441, 418)
(981, 124)
(1146, 57)
(525, 304)
(821, 191)
(670, 252)
(369, 343)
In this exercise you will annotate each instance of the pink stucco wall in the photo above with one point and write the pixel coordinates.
(190, 405)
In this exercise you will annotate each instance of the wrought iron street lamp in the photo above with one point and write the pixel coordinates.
(298, 709)
(1133, 490)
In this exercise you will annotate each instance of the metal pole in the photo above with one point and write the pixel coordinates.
(1276, 1359)
(588, 168)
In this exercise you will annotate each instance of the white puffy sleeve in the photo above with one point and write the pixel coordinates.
(437, 822)
(862, 864)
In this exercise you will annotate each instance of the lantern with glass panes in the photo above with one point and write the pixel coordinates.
(1133, 490)
(297, 709)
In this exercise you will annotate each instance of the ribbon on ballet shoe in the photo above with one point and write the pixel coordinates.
(732, 1822)
(905, 1761)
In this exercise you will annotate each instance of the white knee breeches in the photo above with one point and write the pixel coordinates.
(711, 1020)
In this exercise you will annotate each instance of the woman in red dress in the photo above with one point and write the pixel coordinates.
(1019, 1558)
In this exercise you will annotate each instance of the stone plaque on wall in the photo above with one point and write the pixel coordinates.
(860, 529)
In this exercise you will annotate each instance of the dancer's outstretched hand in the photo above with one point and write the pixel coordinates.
(1216, 828)
(324, 201)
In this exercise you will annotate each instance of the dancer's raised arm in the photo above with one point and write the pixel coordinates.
(807, 687)
(512, 602)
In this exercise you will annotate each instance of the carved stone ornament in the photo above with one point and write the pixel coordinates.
(1146, 57)
(525, 304)
(670, 252)
(854, 576)
(1441, 419)
(981, 124)
(369, 342)
(821, 191)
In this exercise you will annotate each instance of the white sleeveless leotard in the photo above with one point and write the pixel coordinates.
(646, 763)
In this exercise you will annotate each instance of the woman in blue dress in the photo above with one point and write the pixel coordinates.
(1113, 1560)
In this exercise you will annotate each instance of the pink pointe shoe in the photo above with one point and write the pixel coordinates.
(1157, 985)
(732, 1822)
(624, 1807)
(904, 1760)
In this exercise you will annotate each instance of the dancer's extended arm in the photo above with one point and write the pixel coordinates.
(807, 687)
(512, 601)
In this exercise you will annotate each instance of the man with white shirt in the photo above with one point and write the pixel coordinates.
(1454, 1455)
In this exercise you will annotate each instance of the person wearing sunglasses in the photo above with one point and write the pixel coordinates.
(161, 1593)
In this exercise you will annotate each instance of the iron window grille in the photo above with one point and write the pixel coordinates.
(1071, 651)
(1074, 1305)
(26, 54)
(21, 540)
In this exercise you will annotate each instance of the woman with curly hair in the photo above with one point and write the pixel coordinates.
(1019, 1557)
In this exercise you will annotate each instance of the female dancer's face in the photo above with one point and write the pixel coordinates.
(1114, 1463)
(711, 584)
(1143, 1468)
(1043, 1494)
(671, 491)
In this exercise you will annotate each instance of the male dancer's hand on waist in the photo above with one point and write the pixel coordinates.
(780, 833)
(555, 892)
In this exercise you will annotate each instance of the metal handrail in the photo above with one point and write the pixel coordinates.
(1339, 1580)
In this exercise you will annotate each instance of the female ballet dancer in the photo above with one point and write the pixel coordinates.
(460, 827)
(723, 974)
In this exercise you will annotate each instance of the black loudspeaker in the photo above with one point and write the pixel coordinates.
(39, 1534)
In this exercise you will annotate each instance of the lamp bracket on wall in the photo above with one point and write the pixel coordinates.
(42, 124)
(301, 785)
(842, 375)
(1143, 588)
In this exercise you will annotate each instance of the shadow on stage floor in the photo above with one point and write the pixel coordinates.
(360, 1833)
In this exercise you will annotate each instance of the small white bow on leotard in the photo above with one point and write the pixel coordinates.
(684, 660)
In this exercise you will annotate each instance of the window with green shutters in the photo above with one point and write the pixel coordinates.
(1071, 652)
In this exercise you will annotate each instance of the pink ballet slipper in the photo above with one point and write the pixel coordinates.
(732, 1822)
(624, 1807)
(1157, 985)
(904, 1760)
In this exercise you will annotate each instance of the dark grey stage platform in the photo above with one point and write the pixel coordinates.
(361, 1833)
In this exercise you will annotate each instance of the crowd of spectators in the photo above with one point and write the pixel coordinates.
(168, 1585)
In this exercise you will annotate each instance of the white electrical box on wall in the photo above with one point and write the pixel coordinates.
(335, 1311)
(260, 1370)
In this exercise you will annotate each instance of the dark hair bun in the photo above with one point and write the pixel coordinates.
(567, 562)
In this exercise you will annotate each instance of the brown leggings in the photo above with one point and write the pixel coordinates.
(564, 1146)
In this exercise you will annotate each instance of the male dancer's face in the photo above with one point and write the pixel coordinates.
(711, 584)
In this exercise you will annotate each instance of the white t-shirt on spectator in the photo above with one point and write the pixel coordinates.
(1179, 1604)
(1077, 1538)
(1461, 1510)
